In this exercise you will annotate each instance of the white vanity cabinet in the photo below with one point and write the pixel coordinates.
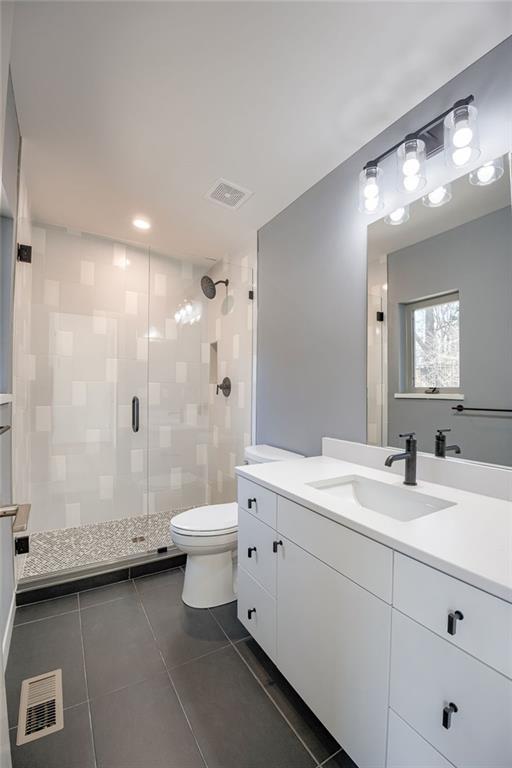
(328, 635)
(407, 666)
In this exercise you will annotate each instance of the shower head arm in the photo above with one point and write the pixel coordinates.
(222, 282)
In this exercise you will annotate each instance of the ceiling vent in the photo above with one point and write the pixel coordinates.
(227, 194)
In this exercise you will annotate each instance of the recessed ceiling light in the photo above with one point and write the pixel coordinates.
(141, 223)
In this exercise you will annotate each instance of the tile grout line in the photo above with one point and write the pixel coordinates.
(299, 738)
(44, 618)
(171, 681)
(86, 683)
(324, 762)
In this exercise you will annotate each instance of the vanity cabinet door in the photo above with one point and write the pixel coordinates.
(256, 550)
(459, 705)
(333, 645)
(257, 612)
(406, 748)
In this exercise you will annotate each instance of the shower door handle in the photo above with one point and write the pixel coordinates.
(135, 413)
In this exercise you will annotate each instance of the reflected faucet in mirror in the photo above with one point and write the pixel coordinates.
(441, 448)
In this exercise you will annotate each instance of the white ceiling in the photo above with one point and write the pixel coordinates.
(138, 107)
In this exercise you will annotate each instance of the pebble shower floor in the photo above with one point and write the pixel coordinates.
(54, 551)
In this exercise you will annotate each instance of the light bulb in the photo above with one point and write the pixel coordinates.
(437, 195)
(371, 204)
(397, 215)
(141, 224)
(486, 173)
(371, 189)
(462, 135)
(461, 156)
(411, 165)
(411, 183)
(177, 316)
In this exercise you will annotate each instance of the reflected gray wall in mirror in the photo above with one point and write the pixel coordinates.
(461, 251)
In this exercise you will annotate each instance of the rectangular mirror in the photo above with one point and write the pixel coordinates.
(440, 319)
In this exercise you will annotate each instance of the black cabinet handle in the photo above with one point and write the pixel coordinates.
(453, 618)
(276, 544)
(448, 711)
(250, 612)
(135, 414)
(250, 502)
(250, 550)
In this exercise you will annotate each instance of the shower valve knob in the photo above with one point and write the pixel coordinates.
(224, 386)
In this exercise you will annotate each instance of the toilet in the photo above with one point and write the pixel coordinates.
(208, 536)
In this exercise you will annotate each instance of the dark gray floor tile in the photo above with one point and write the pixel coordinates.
(341, 760)
(307, 725)
(119, 646)
(145, 583)
(70, 748)
(45, 609)
(182, 633)
(233, 719)
(227, 618)
(106, 594)
(43, 646)
(143, 726)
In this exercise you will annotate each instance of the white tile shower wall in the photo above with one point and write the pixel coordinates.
(86, 360)
(229, 325)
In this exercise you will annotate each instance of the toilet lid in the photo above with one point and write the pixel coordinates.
(210, 520)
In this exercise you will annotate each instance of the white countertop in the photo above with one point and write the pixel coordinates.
(471, 540)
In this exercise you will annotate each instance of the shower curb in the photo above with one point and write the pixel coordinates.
(79, 583)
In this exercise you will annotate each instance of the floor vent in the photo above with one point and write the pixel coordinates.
(227, 194)
(41, 707)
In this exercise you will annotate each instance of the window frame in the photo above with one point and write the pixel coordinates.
(409, 309)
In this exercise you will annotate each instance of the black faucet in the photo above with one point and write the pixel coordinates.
(411, 448)
(441, 447)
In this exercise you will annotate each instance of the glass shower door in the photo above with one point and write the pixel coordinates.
(89, 344)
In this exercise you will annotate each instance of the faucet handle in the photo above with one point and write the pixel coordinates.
(442, 431)
(408, 434)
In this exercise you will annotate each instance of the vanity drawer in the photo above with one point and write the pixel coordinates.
(258, 500)
(432, 598)
(255, 550)
(254, 601)
(428, 674)
(406, 749)
(362, 560)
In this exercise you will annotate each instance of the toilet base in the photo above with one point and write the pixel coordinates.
(209, 580)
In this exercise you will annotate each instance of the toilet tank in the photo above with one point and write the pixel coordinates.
(259, 454)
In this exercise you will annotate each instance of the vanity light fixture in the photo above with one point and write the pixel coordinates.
(398, 216)
(461, 142)
(411, 160)
(487, 173)
(455, 129)
(438, 196)
(370, 198)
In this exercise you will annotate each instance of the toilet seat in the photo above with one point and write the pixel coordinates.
(210, 520)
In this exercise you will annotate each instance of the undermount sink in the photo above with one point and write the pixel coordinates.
(390, 500)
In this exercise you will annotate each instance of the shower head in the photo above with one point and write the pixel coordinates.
(209, 287)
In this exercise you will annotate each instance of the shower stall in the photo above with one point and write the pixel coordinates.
(126, 425)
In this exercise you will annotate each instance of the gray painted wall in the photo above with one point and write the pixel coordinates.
(311, 349)
(476, 260)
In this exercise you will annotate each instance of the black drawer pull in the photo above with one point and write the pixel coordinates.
(250, 502)
(250, 612)
(276, 544)
(453, 618)
(447, 714)
(250, 550)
